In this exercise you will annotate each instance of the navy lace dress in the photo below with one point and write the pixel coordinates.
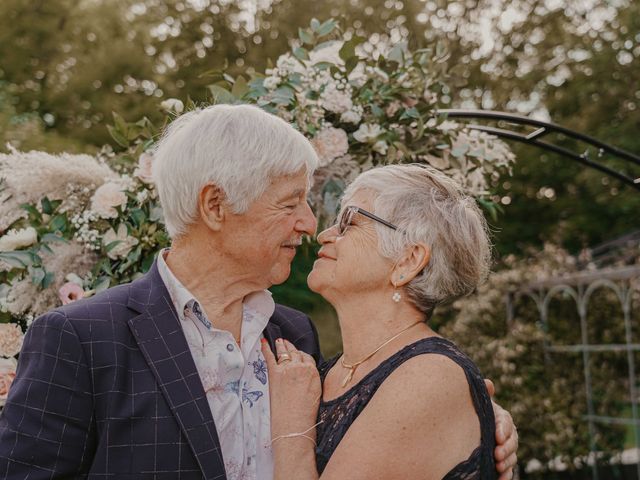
(337, 415)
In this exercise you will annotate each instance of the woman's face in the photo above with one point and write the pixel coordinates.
(350, 264)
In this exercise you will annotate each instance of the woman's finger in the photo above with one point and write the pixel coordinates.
(269, 357)
(293, 351)
(282, 352)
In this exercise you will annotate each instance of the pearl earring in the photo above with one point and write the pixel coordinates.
(396, 297)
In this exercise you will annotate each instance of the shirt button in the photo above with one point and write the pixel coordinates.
(230, 347)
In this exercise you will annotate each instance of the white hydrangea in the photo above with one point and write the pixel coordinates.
(330, 143)
(353, 115)
(335, 100)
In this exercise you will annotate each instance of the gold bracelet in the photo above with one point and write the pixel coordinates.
(301, 434)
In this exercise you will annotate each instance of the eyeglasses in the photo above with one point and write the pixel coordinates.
(346, 218)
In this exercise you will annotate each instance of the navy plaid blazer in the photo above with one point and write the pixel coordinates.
(106, 387)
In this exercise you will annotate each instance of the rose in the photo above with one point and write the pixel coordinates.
(106, 197)
(330, 143)
(172, 105)
(15, 239)
(127, 242)
(7, 374)
(70, 292)
(143, 172)
(11, 338)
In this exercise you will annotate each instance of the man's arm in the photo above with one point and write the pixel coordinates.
(46, 426)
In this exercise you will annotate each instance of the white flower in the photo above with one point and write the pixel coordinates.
(105, 198)
(287, 64)
(366, 132)
(334, 100)
(380, 146)
(328, 52)
(330, 143)
(15, 239)
(143, 172)
(127, 242)
(448, 125)
(271, 83)
(172, 105)
(357, 77)
(11, 337)
(350, 116)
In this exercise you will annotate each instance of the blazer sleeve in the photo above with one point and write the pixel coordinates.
(46, 426)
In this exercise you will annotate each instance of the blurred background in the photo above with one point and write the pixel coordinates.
(562, 353)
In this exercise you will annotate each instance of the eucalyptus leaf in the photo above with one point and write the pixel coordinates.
(47, 208)
(327, 27)
(17, 259)
(315, 24)
(102, 284)
(301, 53)
(59, 223)
(37, 276)
(305, 36)
(53, 238)
(48, 279)
(240, 87)
(221, 95)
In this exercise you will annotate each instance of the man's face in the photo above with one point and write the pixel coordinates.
(263, 240)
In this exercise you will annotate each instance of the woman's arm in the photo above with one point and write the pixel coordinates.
(294, 391)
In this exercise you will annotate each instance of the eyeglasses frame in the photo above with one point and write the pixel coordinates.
(348, 213)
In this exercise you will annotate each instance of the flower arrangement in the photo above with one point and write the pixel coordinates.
(73, 225)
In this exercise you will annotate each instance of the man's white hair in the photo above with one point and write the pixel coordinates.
(429, 207)
(239, 148)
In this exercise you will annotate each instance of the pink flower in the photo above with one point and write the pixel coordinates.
(70, 292)
(7, 374)
(11, 337)
(143, 172)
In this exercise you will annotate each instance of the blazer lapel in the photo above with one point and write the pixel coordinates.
(160, 337)
(271, 333)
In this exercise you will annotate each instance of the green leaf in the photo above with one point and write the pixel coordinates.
(117, 136)
(315, 24)
(37, 276)
(221, 95)
(102, 284)
(47, 208)
(33, 212)
(48, 279)
(52, 238)
(138, 216)
(348, 49)
(58, 223)
(396, 54)
(305, 36)
(301, 53)
(120, 123)
(327, 27)
(410, 113)
(111, 245)
(17, 259)
(240, 87)
(283, 96)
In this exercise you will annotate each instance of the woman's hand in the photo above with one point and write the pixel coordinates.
(294, 390)
(506, 438)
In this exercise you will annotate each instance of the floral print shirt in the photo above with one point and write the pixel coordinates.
(234, 377)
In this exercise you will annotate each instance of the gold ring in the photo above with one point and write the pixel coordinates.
(284, 357)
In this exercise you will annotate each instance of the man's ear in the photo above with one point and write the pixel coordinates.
(211, 206)
(414, 259)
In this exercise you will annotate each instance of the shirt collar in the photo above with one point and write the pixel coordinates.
(258, 303)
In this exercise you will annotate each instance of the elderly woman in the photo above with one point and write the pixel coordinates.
(400, 402)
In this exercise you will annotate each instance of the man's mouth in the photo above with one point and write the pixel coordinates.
(293, 244)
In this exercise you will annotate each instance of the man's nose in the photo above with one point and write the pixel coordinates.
(307, 222)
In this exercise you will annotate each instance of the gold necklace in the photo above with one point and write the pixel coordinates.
(352, 367)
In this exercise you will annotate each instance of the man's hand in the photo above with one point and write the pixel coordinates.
(506, 438)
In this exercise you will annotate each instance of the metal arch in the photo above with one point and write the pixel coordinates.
(544, 128)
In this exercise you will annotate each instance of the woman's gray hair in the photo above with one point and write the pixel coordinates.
(429, 207)
(239, 148)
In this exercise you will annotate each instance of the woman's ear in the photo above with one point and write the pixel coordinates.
(211, 206)
(414, 259)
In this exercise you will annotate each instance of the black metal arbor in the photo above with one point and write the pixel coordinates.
(624, 282)
(542, 129)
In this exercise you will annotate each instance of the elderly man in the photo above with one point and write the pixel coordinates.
(164, 378)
